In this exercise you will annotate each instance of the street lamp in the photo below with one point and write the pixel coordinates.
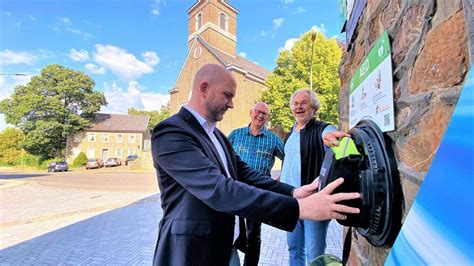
(12, 74)
(313, 37)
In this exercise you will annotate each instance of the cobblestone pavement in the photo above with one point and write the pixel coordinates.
(69, 227)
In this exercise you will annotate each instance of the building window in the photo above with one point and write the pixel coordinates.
(131, 151)
(119, 138)
(105, 137)
(223, 21)
(105, 154)
(131, 138)
(91, 137)
(118, 153)
(198, 23)
(90, 153)
(78, 137)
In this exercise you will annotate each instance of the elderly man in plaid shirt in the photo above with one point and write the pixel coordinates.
(257, 146)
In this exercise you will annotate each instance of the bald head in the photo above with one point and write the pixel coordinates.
(212, 92)
(261, 106)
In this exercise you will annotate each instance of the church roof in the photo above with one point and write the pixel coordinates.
(237, 62)
(119, 123)
(222, 1)
(243, 64)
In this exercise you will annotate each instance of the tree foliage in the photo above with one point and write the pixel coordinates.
(57, 102)
(293, 72)
(10, 138)
(80, 160)
(10, 144)
(155, 115)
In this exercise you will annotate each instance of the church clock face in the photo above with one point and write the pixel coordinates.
(197, 52)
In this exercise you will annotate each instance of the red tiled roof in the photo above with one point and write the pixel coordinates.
(119, 123)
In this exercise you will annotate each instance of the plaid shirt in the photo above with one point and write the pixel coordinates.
(257, 151)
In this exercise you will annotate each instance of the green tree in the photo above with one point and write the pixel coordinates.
(10, 145)
(80, 160)
(57, 102)
(155, 115)
(10, 138)
(293, 72)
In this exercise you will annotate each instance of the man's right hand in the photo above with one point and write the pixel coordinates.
(324, 206)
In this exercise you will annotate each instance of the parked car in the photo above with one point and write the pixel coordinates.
(131, 158)
(57, 167)
(112, 162)
(94, 163)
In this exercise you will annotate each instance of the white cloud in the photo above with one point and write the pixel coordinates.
(120, 100)
(79, 56)
(156, 7)
(84, 35)
(95, 69)
(8, 84)
(299, 10)
(287, 2)
(242, 54)
(122, 63)
(278, 22)
(321, 28)
(9, 57)
(65, 20)
(151, 58)
(32, 18)
(288, 44)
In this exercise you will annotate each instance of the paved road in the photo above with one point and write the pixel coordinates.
(96, 217)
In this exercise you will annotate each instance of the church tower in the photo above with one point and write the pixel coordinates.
(216, 22)
(212, 26)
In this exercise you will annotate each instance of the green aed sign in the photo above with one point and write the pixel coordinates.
(371, 88)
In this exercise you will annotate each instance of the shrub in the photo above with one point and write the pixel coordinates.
(27, 160)
(80, 160)
(10, 155)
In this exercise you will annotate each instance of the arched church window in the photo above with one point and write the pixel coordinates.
(198, 21)
(223, 21)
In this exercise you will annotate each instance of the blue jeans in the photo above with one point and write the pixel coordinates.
(307, 241)
(234, 257)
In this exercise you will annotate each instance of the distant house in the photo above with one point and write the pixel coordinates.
(111, 135)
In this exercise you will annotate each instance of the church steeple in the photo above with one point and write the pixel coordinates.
(215, 21)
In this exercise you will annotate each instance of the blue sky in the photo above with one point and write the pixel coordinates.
(133, 50)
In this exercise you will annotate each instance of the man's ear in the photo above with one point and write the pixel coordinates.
(204, 88)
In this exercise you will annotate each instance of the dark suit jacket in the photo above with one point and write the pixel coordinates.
(199, 202)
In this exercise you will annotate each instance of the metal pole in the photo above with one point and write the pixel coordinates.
(12, 74)
(313, 37)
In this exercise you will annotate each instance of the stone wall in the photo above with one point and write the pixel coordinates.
(431, 54)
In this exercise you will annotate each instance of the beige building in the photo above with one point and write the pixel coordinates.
(111, 135)
(212, 39)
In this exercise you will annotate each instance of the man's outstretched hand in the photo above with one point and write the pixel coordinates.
(306, 190)
(332, 138)
(324, 206)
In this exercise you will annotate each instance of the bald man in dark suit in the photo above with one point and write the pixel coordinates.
(205, 186)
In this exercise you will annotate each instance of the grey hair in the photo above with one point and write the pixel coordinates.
(312, 96)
